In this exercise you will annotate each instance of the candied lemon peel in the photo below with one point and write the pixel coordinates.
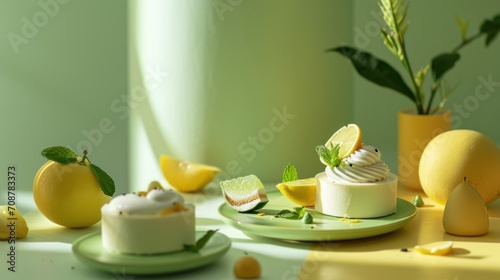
(440, 248)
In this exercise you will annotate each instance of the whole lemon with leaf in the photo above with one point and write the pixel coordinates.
(70, 190)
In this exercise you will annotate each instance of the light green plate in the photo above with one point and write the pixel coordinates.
(88, 249)
(324, 228)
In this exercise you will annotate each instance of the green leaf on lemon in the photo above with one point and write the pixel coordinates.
(200, 243)
(60, 154)
(106, 182)
(65, 155)
(290, 174)
(329, 155)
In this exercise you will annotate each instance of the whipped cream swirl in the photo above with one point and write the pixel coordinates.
(153, 202)
(362, 166)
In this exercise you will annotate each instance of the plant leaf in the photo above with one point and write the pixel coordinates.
(106, 182)
(491, 29)
(60, 154)
(375, 70)
(290, 173)
(200, 243)
(464, 26)
(442, 63)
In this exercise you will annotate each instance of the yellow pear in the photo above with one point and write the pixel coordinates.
(465, 213)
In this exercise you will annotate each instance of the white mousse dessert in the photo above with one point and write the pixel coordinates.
(360, 187)
(150, 222)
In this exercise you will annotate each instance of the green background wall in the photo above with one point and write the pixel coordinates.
(60, 85)
(252, 58)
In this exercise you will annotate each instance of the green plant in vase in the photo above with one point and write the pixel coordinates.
(381, 73)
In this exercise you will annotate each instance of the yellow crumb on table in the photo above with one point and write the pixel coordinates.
(350, 221)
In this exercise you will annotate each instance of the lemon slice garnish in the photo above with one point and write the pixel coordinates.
(349, 139)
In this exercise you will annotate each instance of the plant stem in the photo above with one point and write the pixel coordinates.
(404, 58)
(406, 64)
(466, 42)
(431, 99)
(84, 156)
(455, 50)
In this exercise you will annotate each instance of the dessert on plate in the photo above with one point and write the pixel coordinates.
(356, 182)
(152, 222)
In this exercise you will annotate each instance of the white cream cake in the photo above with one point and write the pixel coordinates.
(361, 187)
(152, 222)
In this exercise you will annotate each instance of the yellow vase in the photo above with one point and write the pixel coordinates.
(414, 133)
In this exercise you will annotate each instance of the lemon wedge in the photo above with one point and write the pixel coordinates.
(437, 248)
(301, 192)
(186, 176)
(12, 221)
(349, 139)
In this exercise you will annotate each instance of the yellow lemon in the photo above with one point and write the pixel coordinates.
(349, 139)
(68, 194)
(12, 223)
(247, 267)
(455, 154)
(186, 176)
(301, 192)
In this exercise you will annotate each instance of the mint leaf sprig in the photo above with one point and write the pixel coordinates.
(200, 243)
(299, 213)
(290, 174)
(329, 155)
(65, 155)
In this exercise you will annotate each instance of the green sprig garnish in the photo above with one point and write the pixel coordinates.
(290, 173)
(329, 155)
(200, 243)
(60, 154)
(298, 213)
(65, 155)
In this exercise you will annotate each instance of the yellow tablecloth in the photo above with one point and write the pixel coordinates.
(381, 257)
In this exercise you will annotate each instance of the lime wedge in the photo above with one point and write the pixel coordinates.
(245, 193)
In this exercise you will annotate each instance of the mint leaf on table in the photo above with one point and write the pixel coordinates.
(287, 214)
(301, 211)
(290, 173)
(200, 243)
(106, 182)
(298, 213)
(60, 154)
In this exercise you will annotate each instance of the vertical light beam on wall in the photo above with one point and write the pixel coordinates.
(167, 83)
(244, 85)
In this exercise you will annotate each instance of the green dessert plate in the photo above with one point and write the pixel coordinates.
(88, 249)
(323, 228)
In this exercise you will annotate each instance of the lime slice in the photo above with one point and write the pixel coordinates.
(244, 193)
(301, 192)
